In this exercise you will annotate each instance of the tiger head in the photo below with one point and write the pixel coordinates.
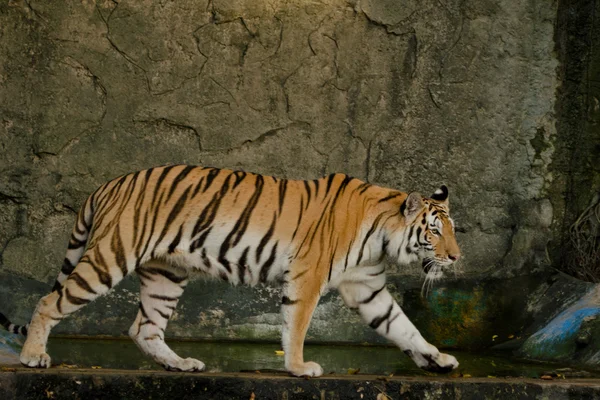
(428, 233)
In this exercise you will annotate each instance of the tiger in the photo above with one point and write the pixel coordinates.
(307, 236)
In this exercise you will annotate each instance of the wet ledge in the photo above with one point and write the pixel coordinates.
(21, 383)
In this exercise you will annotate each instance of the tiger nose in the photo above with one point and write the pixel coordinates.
(454, 257)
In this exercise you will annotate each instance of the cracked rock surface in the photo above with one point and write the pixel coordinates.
(411, 96)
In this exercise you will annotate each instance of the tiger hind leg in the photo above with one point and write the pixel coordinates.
(85, 283)
(161, 285)
(300, 298)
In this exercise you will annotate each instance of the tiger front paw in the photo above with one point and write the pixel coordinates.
(186, 365)
(434, 362)
(35, 360)
(311, 369)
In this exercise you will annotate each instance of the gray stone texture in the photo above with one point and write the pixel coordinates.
(407, 94)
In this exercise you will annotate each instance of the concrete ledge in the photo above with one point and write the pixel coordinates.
(55, 383)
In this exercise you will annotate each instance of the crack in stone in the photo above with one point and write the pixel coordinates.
(175, 124)
(127, 58)
(319, 26)
(95, 80)
(452, 46)
(225, 89)
(35, 12)
(4, 197)
(390, 29)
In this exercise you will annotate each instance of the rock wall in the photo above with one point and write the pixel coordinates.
(403, 94)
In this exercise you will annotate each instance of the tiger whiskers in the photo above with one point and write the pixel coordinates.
(433, 274)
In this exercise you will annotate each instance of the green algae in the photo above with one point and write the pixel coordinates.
(243, 356)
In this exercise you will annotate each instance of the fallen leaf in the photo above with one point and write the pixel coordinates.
(466, 375)
(252, 396)
(511, 336)
(96, 367)
(49, 393)
(491, 376)
(546, 377)
(7, 369)
(352, 371)
(494, 337)
(382, 396)
(279, 352)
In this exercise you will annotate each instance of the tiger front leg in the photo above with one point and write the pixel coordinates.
(378, 308)
(300, 297)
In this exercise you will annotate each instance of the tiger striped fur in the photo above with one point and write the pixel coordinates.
(330, 233)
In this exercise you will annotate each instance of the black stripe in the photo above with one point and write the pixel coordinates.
(143, 310)
(299, 274)
(282, 190)
(138, 208)
(286, 301)
(307, 188)
(241, 224)
(116, 246)
(181, 176)
(154, 215)
(299, 217)
(82, 283)
(316, 182)
(175, 211)
(369, 233)
(141, 274)
(210, 211)
(176, 241)
(205, 259)
(387, 328)
(314, 230)
(57, 286)
(391, 196)
(265, 239)
(245, 217)
(331, 261)
(167, 274)
(239, 177)
(200, 240)
(159, 182)
(59, 301)
(76, 243)
(242, 265)
(74, 299)
(264, 272)
(377, 273)
(164, 298)
(329, 182)
(363, 187)
(341, 189)
(372, 296)
(197, 188)
(67, 267)
(103, 276)
(377, 321)
(212, 174)
(162, 314)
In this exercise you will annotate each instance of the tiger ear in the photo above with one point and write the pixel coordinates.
(412, 206)
(441, 195)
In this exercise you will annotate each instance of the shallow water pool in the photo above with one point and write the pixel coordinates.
(338, 359)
